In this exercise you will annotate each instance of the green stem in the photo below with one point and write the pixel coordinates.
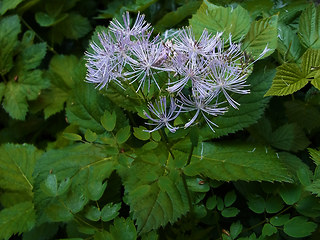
(184, 180)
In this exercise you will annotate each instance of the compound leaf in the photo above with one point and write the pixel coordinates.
(299, 227)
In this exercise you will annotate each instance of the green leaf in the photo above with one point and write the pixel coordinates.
(197, 185)
(45, 231)
(17, 163)
(9, 29)
(274, 204)
(309, 27)
(51, 185)
(220, 19)
(123, 229)
(74, 26)
(268, 230)
(172, 18)
(288, 44)
(211, 202)
(108, 120)
(279, 220)
(72, 136)
(155, 196)
(290, 193)
(141, 133)
(27, 87)
(32, 56)
(315, 155)
(256, 203)
(314, 187)
(230, 212)
(236, 161)
(252, 105)
(262, 33)
(110, 211)
(311, 65)
(17, 219)
(230, 198)
(289, 79)
(87, 166)
(90, 136)
(93, 213)
(235, 229)
(289, 137)
(2, 90)
(123, 134)
(299, 227)
(6, 5)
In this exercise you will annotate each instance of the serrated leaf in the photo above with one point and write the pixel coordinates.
(6, 5)
(268, 230)
(314, 187)
(108, 120)
(235, 229)
(123, 229)
(17, 219)
(141, 133)
(110, 211)
(27, 87)
(309, 27)
(123, 134)
(172, 18)
(72, 136)
(262, 33)
(86, 165)
(289, 79)
(315, 155)
(32, 56)
(288, 44)
(9, 30)
(220, 19)
(299, 227)
(289, 137)
(17, 163)
(235, 161)
(252, 105)
(93, 213)
(155, 198)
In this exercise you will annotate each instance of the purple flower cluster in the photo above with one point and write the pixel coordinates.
(202, 75)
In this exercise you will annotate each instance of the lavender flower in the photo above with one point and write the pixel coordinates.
(203, 106)
(163, 115)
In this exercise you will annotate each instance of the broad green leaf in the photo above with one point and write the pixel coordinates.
(289, 137)
(9, 29)
(299, 227)
(155, 196)
(46, 20)
(211, 202)
(197, 185)
(235, 229)
(17, 163)
(268, 230)
(108, 120)
(172, 18)
(199, 211)
(314, 188)
(27, 87)
(289, 79)
(309, 27)
(51, 185)
(17, 219)
(86, 165)
(6, 5)
(262, 34)
(289, 45)
(252, 105)
(235, 161)
(273, 204)
(230, 212)
(110, 211)
(256, 8)
(141, 133)
(220, 19)
(72, 136)
(311, 66)
(256, 203)
(122, 229)
(279, 220)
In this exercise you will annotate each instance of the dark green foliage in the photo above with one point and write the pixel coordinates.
(77, 162)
